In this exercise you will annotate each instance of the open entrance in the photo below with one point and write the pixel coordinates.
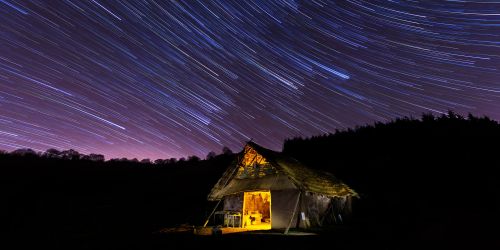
(257, 210)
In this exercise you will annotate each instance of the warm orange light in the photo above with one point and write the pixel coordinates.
(257, 210)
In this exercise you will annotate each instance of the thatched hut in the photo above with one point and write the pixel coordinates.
(265, 189)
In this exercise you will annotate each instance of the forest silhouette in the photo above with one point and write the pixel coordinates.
(432, 180)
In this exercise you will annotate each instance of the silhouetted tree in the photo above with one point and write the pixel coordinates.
(70, 154)
(226, 151)
(427, 118)
(52, 153)
(193, 158)
(160, 162)
(211, 155)
(96, 157)
(24, 151)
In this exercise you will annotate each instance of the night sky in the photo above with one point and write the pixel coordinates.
(161, 79)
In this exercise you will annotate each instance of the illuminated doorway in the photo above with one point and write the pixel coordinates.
(257, 210)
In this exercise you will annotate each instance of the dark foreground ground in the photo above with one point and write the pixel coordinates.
(424, 184)
(339, 237)
(342, 237)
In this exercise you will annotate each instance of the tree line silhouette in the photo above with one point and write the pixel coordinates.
(81, 201)
(421, 181)
(72, 154)
(434, 179)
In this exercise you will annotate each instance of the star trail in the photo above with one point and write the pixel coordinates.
(161, 79)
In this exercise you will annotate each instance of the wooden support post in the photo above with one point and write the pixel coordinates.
(294, 213)
(213, 211)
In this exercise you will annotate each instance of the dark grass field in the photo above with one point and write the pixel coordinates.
(342, 237)
(423, 184)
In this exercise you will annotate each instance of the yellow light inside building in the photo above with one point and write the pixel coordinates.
(257, 210)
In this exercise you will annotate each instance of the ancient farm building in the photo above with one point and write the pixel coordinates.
(264, 189)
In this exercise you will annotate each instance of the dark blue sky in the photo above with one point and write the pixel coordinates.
(161, 79)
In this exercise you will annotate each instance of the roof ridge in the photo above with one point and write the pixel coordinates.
(301, 176)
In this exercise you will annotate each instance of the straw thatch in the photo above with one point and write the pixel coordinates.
(289, 174)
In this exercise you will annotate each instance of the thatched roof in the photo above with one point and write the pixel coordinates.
(291, 175)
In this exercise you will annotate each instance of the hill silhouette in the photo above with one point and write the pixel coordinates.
(423, 182)
(80, 202)
(434, 179)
